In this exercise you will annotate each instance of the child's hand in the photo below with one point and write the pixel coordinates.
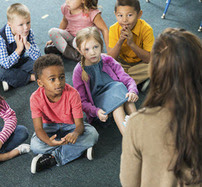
(26, 43)
(132, 97)
(54, 142)
(70, 138)
(123, 35)
(102, 116)
(129, 36)
(50, 42)
(19, 43)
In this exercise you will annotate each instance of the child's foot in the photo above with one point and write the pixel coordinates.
(41, 162)
(23, 148)
(5, 86)
(89, 153)
(125, 120)
(51, 49)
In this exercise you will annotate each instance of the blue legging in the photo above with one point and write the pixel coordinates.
(17, 137)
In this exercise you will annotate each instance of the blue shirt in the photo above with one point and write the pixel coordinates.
(6, 60)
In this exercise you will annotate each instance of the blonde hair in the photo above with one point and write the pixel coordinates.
(17, 9)
(84, 35)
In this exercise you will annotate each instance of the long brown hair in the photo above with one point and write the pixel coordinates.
(176, 82)
(82, 36)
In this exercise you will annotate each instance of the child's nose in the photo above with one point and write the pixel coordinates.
(125, 18)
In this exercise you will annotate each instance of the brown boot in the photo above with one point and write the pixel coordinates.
(71, 53)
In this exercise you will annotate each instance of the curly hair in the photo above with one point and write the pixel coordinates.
(46, 61)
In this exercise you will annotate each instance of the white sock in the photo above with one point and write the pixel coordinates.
(23, 148)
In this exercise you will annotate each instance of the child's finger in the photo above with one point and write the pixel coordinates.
(53, 137)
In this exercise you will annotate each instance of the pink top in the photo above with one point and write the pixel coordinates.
(64, 111)
(79, 21)
(10, 121)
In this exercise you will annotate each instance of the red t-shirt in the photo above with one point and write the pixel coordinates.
(64, 111)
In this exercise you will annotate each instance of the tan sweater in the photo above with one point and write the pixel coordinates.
(147, 156)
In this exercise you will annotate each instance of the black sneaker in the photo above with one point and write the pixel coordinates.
(41, 162)
(51, 49)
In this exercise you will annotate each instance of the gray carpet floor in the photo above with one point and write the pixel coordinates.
(104, 169)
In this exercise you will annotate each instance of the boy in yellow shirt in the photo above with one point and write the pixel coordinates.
(131, 40)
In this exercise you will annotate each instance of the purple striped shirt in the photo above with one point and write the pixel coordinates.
(10, 121)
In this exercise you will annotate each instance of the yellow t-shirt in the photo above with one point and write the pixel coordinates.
(142, 36)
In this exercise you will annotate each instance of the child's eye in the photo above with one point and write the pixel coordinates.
(52, 79)
(62, 77)
(96, 46)
(21, 25)
(86, 49)
(119, 15)
(129, 15)
(28, 23)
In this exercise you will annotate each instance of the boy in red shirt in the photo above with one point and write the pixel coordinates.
(60, 134)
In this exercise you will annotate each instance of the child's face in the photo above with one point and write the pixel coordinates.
(53, 80)
(127, 16)
(74, 4)
(20, 25)
(91, 50)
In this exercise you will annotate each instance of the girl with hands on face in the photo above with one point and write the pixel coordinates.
(103, 85)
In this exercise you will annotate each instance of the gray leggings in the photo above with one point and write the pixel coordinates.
(61, 38)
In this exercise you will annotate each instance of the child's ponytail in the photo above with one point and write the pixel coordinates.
(84, 74)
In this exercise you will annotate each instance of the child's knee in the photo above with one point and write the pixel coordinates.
(92, 134)
(22, 131)
(52, 32)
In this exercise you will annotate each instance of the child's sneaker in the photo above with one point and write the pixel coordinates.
(5, 86)
(41, 162)
(23, 148)
(89, 153)
(125, 120)
(145, 85)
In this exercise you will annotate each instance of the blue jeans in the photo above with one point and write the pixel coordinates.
(19, 74)
(17, 137)
(68, 152)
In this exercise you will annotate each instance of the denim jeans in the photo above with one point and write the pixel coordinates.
(19, 74)
(68, 152)
(17, 137)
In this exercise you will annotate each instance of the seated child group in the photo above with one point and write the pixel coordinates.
(61, 135)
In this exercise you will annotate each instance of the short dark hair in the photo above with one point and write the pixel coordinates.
(132, 3)
(46, 61)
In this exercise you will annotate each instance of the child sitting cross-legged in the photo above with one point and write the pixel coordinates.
(101, 81)
(60, 134)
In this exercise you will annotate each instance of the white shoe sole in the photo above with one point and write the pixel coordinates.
(90, 153)
(5, 86)
(146, 84)
(33, 164)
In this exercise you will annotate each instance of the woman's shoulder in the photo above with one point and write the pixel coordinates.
(150, 118)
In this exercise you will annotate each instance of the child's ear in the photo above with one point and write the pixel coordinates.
(40, 83)
(139, 14)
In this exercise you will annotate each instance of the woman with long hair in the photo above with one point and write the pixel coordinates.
(162, 145)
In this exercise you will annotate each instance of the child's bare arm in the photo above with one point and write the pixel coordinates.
(42, 135)
(100, 24)
(63, 23)
(141, 53)
(72, 137)
(114, 52)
